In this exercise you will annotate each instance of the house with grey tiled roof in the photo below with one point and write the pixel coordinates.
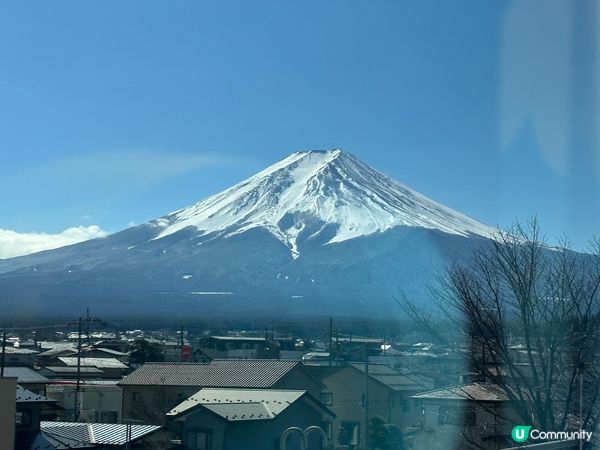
(49, 356)
(247, 418)
(18, 356)
(155, 388)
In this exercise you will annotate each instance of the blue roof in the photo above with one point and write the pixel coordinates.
(25, 375)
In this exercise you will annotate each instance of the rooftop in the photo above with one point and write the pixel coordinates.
(393, 379)
(19, 351)
(108, 351)
(240, 404)
(25, 396)
(219, 373)
(97, 433)
(100, 363)
(358, 340)
(72, 370)
(25, 375)
(44, 441)
(238, 338)
(57, 351)
(483, 392)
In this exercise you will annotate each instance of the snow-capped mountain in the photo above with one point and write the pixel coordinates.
(319, 232)
(322, 188)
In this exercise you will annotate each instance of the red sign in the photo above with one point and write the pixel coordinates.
(186, 353)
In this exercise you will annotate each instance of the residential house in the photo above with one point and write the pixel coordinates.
(111, 367)
(99, 400)
(475, 412)
(238, 347)
(70, 373)
(155, 388)
(101, 352)
(171, 350)
(50, 356)
(389, 396)
(29, 407)
(28, 379)
(235, 419)
(16, 356)
(352, 348)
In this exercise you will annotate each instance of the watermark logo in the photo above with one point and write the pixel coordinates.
(520, 433)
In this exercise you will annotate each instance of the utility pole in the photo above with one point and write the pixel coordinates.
(78, 382)
(80, 323)
(181, 343)
(3, 355)
(87, 326)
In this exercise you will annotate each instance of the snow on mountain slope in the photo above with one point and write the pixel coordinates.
(311, 190)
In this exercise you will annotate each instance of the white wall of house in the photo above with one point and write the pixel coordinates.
(98, 402)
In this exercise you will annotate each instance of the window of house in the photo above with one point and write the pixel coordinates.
(327, 398)
(405, 405)
(23, 418)
(229, 346)
(198, 440)
(469, 416)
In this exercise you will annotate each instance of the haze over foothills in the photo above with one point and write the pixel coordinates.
(114, 114)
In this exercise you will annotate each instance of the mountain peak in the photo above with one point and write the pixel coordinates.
(309, 192)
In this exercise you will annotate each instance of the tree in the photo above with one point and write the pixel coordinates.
(530, 312)
(144, 351)
(384, 436)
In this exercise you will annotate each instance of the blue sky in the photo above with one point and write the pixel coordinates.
(114, 112)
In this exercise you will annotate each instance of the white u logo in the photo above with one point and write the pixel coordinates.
(520, 433)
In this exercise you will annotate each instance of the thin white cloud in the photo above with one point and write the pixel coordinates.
(122, 167)
(106, 177)
(13, 243)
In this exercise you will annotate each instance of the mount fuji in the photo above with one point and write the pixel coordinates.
(319, 232)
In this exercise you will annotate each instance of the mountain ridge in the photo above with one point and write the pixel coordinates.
(317, 233)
